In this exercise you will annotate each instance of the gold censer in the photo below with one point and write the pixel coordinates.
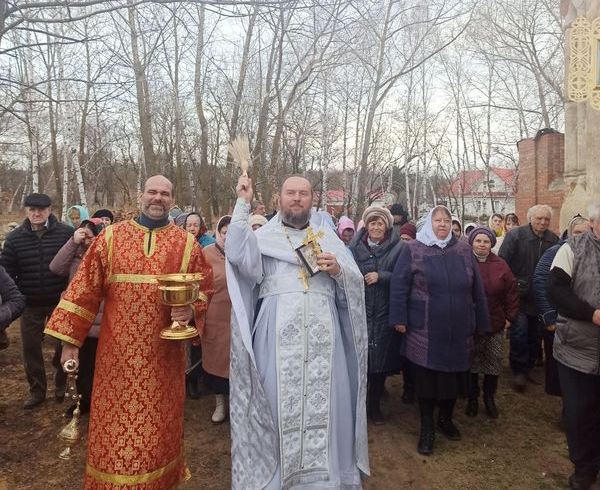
(71, 433)
(180, 290)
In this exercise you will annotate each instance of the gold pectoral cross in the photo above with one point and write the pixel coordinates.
(303, 276)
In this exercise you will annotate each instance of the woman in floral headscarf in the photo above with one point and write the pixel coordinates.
(194, 223)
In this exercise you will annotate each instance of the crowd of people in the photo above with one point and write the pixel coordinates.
(304, 318)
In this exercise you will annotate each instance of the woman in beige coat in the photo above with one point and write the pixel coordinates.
(216, 335)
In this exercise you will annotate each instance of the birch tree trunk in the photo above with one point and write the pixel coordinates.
(142, 90)
(203, 177)
(373, 102)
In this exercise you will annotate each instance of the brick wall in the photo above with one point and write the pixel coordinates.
(539, 181)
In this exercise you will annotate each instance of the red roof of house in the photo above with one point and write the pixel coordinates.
(468, 180)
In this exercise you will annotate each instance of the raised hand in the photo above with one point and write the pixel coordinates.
(244, 188)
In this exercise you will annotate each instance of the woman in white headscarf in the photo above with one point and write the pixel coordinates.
(437, 299)
(216, 334)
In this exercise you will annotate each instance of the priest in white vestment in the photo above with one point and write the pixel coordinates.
(299, 350)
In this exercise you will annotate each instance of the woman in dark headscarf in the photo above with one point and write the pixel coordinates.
(437, 299)
(503, 304)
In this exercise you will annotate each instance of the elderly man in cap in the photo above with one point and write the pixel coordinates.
(27, 253)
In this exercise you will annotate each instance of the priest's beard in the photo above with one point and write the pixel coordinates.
(297, 220)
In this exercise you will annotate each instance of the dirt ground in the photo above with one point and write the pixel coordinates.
(523, 449)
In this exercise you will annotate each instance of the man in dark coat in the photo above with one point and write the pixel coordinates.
(27, 253)
(400, 216)
(522, 248)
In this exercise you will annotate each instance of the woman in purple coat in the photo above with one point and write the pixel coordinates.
(437, 299)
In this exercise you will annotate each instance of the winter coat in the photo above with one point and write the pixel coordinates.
(545, 308)
(576, 293)
(500, 291)
(384, 342)
(205, 240)
(65, 263)
(438, 294)
(522, 249)
(27, 255)
(12, 302)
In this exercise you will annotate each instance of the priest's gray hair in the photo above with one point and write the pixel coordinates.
(538, 208)
(594, 210)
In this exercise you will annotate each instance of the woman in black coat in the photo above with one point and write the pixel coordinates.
(375, 249)
(12, 304)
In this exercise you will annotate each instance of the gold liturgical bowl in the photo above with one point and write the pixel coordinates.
(180, 290)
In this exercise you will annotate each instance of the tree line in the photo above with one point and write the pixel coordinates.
(397, 95)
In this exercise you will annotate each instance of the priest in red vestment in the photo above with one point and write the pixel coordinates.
(135, 435)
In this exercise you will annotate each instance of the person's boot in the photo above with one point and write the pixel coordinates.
(375, 410)
(220, 413)
(4, 340)
(427, 435)
(473, 400)
(59, 394)
(376, 387)
(408, 393)
(34, 400)
(191, 387)
(490, 383)
(582, 480)
(519, 382)
(445, 424)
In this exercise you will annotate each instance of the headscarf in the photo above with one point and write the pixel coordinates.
(426, 235)
(257, 219)
(203, 228)
(398, 210)
(104, 213)
(576, 220)
(513, 218)
(408, 229)
(223, 221)
(472, 225)
(96, 225)
(456, 221)
(180, 220)
(174, 212)
(500, 231)
(482, 230)
(345, 224)
(83, 214)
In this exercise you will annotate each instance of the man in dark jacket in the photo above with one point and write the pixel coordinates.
(521, 249)
(12, 303)
(400, 217)
(26, 255)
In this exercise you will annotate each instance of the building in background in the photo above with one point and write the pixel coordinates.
(481, 192)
